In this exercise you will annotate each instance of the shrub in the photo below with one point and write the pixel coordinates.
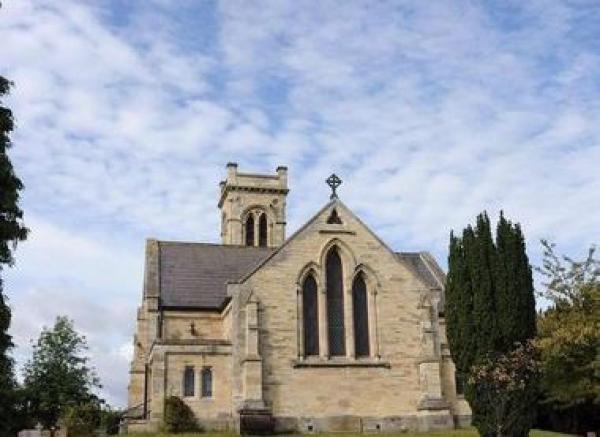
(110, 420)
(503, 386)
(81, 420)
(178, 416)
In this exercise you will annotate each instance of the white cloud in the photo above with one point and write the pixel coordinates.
(94, 280)
(429, 112)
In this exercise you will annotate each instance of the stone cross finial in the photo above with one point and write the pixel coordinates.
(333, 181)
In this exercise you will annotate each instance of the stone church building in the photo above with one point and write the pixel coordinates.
(329, 329)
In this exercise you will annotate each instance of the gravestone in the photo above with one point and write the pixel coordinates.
(37, 432)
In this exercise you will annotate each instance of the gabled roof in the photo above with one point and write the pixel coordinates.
(337, 203)
(421, 264)
(424, 267)
(195, 275)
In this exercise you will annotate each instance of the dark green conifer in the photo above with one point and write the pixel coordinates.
(11, 231)
(481, 258)
(459, 306)
(490, 303)
(514, 287)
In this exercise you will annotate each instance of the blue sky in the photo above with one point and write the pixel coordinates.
(431, 112)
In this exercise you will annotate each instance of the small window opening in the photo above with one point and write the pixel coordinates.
(207, 390)
(310, 428)
(262, 230)
(334, 218)
(250, 230)
(188, 381)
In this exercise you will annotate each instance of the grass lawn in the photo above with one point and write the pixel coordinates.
(454, 433)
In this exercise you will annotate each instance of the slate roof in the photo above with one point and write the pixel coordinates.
(195, 275)
(424, 266)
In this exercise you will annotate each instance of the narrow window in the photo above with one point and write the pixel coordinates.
(335, 304)
(250, 230)
(310, 316)
(188, 381)
(361, 316)
(207, 382)
(262, 230)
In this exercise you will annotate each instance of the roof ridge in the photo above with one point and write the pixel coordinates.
(200, 243)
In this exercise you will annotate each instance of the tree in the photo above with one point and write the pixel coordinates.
(7, 380)
(459, 309)
(569, 340)
(515, 296)
(58, 375)
(81, 420)
(501, 381)
(481, 260)
(490, 306)
(12, 231)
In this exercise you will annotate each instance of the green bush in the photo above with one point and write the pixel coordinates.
(178, 416)
(81, 420)
(109, 421)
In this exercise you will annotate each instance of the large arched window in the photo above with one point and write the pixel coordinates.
(310, 316)
(250, 230)
(361, 316)
(335, 304)
(262, 230)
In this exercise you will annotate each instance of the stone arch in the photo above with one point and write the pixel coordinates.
(256, 211)
(346, 253)
(370, 277)
(310, 267)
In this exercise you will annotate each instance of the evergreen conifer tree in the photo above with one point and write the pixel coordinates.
(490, 304)
(514, 287)
(459, 309)
(11, 231)
(481, 258)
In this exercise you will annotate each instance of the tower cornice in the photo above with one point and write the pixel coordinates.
(232, 188)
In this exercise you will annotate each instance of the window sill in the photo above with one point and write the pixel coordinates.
(340, 362)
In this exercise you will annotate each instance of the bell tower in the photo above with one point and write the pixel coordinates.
(253, 207)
